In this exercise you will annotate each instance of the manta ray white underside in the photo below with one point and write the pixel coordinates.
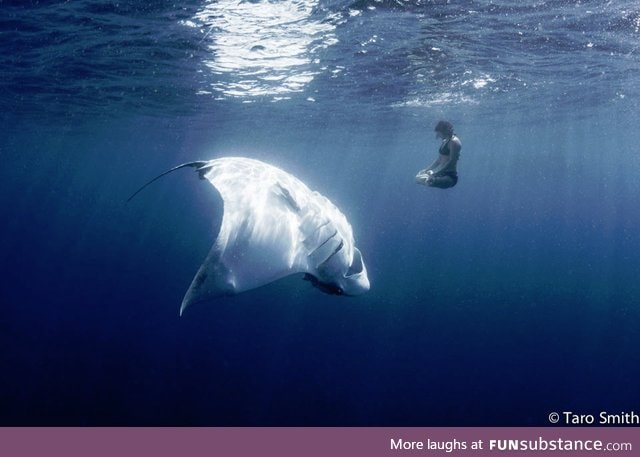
(273, 226)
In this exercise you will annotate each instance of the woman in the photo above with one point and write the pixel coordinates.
(442, 172)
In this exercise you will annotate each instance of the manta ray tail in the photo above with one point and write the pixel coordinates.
(199, 165)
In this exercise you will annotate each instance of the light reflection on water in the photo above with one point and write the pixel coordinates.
(262, 48)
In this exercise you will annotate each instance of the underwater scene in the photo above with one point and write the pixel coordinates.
(337, 290)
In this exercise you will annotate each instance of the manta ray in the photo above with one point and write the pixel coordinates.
(273, 226)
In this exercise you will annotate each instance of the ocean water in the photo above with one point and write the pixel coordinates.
(512, 295)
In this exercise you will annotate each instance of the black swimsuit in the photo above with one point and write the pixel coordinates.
(445, 179)
(444, 148)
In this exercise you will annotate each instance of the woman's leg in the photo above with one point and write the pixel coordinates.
(443, 182)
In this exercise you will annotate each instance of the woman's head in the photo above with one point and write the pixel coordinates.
(444, 128)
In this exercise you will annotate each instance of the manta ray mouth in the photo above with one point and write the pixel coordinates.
(357, 265)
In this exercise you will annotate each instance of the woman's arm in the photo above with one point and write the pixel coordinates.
(433, 165)
(424, 174)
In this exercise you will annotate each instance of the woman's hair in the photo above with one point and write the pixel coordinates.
(444, 127)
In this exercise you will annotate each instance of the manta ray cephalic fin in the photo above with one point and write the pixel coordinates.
(199, 165)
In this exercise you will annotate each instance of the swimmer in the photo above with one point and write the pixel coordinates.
(443, 173)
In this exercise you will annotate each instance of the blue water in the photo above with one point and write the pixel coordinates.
(514, 294)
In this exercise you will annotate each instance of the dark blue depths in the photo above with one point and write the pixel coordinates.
(512, 295)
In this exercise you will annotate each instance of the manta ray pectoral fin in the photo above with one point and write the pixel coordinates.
(212, 280)
(201, 167)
